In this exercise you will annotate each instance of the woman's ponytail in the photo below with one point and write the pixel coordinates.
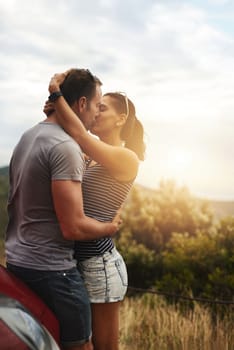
(132, 133)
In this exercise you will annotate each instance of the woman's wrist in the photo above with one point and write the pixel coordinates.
(55, 95)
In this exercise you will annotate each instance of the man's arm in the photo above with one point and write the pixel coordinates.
(68, 203)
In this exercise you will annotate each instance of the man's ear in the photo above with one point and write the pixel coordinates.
(82, 103)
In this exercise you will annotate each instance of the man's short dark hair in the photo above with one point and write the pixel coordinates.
(79, 83)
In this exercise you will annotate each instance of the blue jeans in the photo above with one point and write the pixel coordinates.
(65, 294)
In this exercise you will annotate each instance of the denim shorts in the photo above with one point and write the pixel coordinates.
(105, 277)
(65, 294)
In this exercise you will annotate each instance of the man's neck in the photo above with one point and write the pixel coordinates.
(52, 118)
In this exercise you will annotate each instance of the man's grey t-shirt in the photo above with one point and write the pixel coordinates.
(33, 237)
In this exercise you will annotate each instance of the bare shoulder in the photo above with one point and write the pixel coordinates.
(126, 164)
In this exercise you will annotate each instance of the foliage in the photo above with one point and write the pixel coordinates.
(202, 264)
(153, 216)
(170, 241)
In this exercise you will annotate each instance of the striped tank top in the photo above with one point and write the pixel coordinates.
(102, 197)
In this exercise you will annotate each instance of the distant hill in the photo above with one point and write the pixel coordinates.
(4, 171)
(222, 208)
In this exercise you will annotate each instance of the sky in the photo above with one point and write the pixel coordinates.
(173, 58)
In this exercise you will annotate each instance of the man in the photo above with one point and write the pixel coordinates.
(46, 211)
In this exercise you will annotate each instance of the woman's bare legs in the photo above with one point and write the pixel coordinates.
(105, 326)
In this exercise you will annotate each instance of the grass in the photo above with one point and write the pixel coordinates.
(148, 323)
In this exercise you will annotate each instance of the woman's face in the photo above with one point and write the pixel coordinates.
(107, 118)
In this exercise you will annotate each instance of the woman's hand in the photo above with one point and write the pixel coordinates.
(117, 219)
(57, 80)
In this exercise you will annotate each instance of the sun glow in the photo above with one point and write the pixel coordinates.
(179, 162)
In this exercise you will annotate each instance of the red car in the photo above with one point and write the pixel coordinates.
(25, 321)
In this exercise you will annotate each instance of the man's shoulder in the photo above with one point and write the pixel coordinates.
(53, 132)
(50, 135)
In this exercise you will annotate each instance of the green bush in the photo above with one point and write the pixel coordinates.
(171, 242)
(203, 264)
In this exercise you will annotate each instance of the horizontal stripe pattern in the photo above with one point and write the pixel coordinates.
(102, 196)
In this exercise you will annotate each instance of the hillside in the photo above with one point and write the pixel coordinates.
(4, 171)
(222, 208)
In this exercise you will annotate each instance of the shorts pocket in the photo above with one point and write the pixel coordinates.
(122, 270)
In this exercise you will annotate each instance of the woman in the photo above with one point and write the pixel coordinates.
(112, 166)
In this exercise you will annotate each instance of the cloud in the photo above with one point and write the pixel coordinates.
(219, 2)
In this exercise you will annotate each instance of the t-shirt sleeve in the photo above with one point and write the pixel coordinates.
(67, 161)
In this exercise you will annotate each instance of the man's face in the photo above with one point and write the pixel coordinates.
(91, 111)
